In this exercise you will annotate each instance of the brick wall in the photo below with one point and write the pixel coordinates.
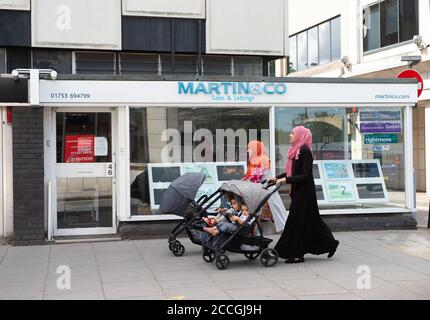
(28, 176)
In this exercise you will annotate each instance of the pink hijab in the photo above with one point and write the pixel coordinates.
(303, 138)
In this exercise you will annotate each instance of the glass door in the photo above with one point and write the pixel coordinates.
(85, 173)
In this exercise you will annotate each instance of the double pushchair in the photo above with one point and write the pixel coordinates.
(179, 199)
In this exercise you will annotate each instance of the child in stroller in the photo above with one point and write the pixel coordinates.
(230, 220)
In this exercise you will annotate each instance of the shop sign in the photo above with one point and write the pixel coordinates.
(380, 139)
(380, 127)
(231, 88)
(381, 148)
(79, 149)
(380, 116)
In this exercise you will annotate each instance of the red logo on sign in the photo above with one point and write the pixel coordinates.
(79, 148)
(412, 74)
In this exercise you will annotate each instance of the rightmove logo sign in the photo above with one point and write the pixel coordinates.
(380, 139)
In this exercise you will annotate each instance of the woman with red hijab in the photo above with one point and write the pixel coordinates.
(305, 231)
(258, 169)
(258, 162)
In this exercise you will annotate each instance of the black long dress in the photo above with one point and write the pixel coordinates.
(305, 231)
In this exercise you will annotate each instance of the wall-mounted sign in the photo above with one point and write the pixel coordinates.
(205, 93)
(384, 147)
(370, 116)
(380, 127)
(79, 149)
(380, 139)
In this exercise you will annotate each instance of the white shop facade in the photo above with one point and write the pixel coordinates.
(112, 146)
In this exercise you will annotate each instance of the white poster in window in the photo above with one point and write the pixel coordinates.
(100, 146)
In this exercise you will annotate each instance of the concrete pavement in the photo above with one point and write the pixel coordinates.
(397, 263)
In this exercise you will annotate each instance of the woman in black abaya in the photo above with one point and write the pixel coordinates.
(305, 231)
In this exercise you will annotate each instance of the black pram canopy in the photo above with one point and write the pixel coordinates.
(181, 192)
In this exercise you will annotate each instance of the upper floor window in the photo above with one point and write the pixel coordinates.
(135, 63)
(389, 22)
(95, 62)
(318, 45)
(60, 61)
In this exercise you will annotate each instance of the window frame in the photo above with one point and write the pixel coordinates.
(317, 26)
(399, 42)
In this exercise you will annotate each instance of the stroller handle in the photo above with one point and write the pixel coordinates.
(267, 185)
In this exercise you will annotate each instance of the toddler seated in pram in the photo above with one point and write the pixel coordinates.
(237, 215)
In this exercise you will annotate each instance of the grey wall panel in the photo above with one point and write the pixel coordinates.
(15, 4)
(94, 24)
(15, 28)
(247, 27)
(165, 8)
(161, 34)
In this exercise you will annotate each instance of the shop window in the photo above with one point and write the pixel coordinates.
(367, 141)
(389, 22)
(179, 64)
(217, 65)
(132, 63)
(2, 60)
(167, 142)
(60, 61)
(247, 66)
(94, 63)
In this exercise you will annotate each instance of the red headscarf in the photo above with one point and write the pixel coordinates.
(258, 157)
(303, 137)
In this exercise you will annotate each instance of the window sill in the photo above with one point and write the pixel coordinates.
(387, 48)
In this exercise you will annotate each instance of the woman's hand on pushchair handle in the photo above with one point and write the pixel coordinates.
(271, 181)
(279, 182)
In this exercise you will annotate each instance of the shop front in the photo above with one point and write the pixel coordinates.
(111, 147)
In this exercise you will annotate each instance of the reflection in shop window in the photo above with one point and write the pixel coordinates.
(176, 136)
(351, 134)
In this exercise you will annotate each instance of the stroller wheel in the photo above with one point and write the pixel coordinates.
(172, 243)
(208, 255)
(178, 249)
(269, 257)
(222, 262)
